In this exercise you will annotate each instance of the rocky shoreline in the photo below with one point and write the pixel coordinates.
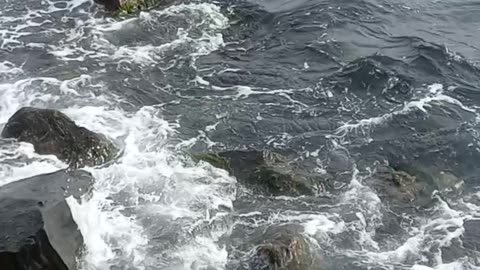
(42, 234)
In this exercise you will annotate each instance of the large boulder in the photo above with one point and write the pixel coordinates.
(52, 132)
(38, 231)
(265, 172)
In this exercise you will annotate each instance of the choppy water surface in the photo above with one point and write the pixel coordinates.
(337, 85)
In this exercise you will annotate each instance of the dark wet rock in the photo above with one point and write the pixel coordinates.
(24, 243)
(265, 171)
(396, 184)
(38, 230)
(50, 187)
(52, 132)
(111, 5)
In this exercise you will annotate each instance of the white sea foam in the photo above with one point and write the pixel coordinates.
(14, 156)
(368, 208)
(321, 224)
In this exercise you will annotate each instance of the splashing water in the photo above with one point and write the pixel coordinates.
(155, 208)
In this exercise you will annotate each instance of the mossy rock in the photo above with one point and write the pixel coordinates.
(263, 171)
(438, 176)
(276, 181)
(132, 6)
(214, 159)
(397, 185)
(281, 248)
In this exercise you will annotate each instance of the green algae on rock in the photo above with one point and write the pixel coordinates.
(132, 6)
(265, 172)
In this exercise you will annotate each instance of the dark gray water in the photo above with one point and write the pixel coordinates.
(336, 86)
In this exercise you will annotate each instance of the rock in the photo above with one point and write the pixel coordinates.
(50, 187)
(434, 175)
(264, 171)
(398, 185)
(277, 246)
(111, 5)
(282, 248)
(132, 6)
(215, 159)
(52, 132)
(38, 231)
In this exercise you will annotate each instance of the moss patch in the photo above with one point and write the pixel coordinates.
(215, 160)
(263, 171)
(128, 7)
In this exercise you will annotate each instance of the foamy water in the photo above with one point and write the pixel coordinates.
(154, 208)
(154, 181)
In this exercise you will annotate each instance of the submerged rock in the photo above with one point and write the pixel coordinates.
(38, 231)
(471, 236)
(466, 246)
(398, 185)
(215, 159)
(435, 175)
(282, 248)
(52, 132)
(264, 171)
